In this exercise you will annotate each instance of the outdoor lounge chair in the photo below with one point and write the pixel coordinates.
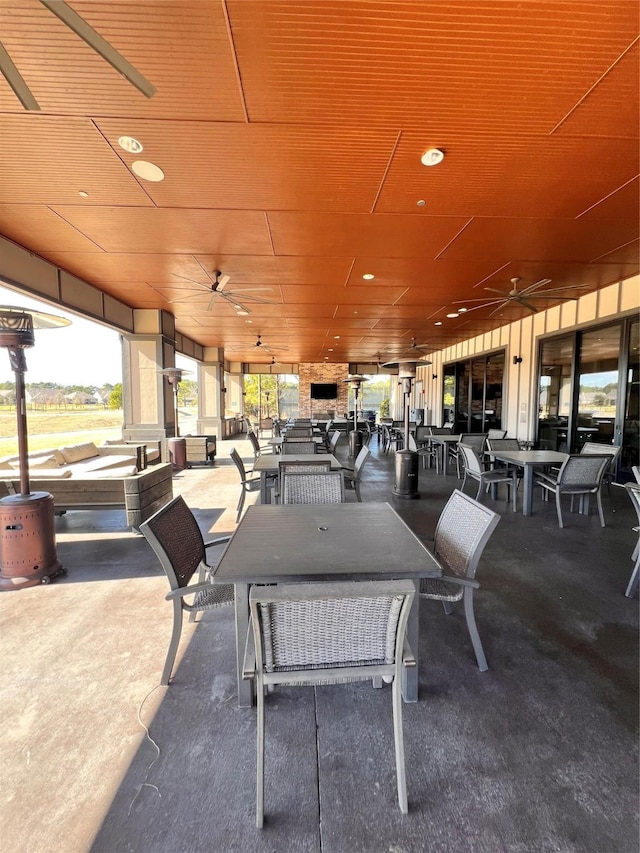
(327, 633)
(175, 536)
(463, 530)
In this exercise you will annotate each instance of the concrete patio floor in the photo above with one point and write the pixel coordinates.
(537, 754)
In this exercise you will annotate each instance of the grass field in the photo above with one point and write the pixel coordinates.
(51, 428)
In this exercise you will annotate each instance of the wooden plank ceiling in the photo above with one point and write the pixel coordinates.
(290, 134)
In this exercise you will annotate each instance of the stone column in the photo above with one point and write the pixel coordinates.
(147, 397)
(211, 398)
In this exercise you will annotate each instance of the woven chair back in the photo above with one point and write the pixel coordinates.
(463, 530)
(582, 472)
(319, 488)
(361, 458)
(497, 433)
(174, 535)
(476, 440)
(255, 444)
(306, 467)
(439, 430)
(292, 447)
(239, 463)
(634, 493)
(471, 460)
(503, 443)
(299, 432)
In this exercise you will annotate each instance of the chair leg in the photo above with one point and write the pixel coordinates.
(260, 753)
(240, 504)
(173, 644)
(632, 586)
(483, 666)
(600, 511)
(399, 742)
(559, 508)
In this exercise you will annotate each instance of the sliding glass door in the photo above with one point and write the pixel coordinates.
(475, 386)
(588, 391)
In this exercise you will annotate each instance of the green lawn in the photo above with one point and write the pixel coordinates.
(57, 428)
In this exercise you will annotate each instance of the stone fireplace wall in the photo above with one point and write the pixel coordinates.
(309, 373)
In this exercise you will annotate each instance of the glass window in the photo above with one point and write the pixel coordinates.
(598, 379)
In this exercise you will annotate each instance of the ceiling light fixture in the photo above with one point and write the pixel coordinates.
(83, 194)
(453, 314)
(128, 143)
(147, 171)
(336, 337)
(462, 310)
(368, 276)
(421, 202)
(432, 157)
(438, 323)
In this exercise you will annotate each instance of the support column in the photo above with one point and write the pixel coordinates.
(147, 396)
(211, 398)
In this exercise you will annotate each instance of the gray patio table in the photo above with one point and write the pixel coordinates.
(444, 441)
(528, 459)
(322, 542)
(270, 464)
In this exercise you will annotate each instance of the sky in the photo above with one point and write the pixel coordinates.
(84, 353)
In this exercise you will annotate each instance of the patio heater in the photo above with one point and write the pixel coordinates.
(27, 529)
(177, 446)
(407, 461)
(355, 438)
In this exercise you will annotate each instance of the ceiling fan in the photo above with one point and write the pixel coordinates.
(218, 291)
(414, 351)
(521, 297)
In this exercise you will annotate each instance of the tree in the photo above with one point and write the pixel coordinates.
(115, 397)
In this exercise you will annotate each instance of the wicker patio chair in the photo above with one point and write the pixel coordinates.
(247, 483)
(175, 536)
(473, 470)
(352, 476)
(592, 448)
(299, 432)
(305, 467)
(258, 449)
(329, 633)
(476, 440)
(462, 532)
(579, 475)
(304, 447)
(319, 488)
(497, 433)
(634, 493)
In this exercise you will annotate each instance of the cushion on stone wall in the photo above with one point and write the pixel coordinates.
(108, 473)
(78, 452)
(47, 460)
(104, 463)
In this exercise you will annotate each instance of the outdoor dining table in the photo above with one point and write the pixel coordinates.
(269, 464)
(528, 459)
(322, 542)
(443, 441)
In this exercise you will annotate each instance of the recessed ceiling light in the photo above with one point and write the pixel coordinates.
(438, 323)
(147, 171)
(83, 194)
(453, 314)
(128, 143)
(462, 310)
(421, 202)
(336, 337)
(249, 322)
(368, 276)
(432, 157)
(242, 312)
(330, 349)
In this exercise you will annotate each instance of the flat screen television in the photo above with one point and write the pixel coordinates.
(324, 390)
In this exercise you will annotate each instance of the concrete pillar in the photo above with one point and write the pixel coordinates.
(211, 398)
(147, 396)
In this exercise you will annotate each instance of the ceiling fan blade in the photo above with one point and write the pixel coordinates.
(192, 281)
(526, 304)
(102, 47)
(532, 287)
(222, 282)
(212, 302)
(486, 304)
(493, 290)
(554, 291)
(499, 307)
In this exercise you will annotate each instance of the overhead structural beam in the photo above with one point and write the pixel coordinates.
(95, 41)
(16, 81)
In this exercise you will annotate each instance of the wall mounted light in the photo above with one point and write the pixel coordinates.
(435, 376)
(517, 359)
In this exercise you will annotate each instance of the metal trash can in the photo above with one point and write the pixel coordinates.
(177, 453)
(407, 468)
(355, 442)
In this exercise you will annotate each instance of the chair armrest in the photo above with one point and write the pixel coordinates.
(221, 541)
(470, 582)
(408, 658)
(187, 590)
(249, 661)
